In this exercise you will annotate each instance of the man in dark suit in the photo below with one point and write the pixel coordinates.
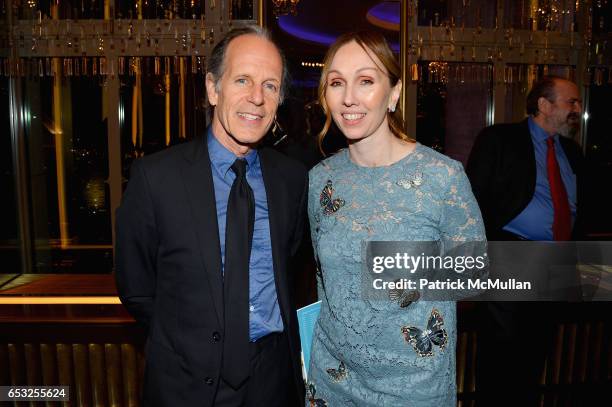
(525, 177)
(204, 236)
(507, 165)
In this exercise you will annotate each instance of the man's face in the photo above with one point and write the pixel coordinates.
(563, 115)
(248, 93)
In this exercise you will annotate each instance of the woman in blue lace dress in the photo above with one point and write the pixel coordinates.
(384, 186)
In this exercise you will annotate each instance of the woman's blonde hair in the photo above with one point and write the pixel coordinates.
(371, 42)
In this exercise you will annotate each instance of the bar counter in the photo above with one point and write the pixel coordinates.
(70, 330)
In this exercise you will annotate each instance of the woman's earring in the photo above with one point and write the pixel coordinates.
(391, 109)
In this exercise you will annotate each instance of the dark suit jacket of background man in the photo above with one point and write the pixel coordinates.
(502, 171)
(169, 266)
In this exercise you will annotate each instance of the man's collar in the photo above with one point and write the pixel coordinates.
(221, 158)
(537, 132)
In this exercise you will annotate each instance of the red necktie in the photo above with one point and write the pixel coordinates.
(562, 221)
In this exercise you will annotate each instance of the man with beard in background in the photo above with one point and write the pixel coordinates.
(525, 177)
(508, 167)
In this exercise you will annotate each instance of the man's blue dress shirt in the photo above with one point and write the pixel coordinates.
(535, 221)
(264, 315)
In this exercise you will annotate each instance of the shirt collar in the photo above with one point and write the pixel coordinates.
(222, 159)
(538, 133)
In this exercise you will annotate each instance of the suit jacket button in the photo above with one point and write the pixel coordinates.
(209, 381)
(216, 336)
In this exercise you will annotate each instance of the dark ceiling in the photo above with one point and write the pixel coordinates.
(326, 17)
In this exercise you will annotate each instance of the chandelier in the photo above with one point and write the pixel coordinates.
(284, 7)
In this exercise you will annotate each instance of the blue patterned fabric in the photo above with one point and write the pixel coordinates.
(426, 196)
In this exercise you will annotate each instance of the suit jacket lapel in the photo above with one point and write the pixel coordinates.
(276, 215)
(201, 195)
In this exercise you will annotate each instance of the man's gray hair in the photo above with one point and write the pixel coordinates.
(216, 62)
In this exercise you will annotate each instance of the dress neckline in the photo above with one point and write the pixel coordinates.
(403, 160)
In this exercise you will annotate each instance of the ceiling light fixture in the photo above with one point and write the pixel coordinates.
(284, 7)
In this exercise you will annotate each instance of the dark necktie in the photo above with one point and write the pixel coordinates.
(238, 236)
(562, 221)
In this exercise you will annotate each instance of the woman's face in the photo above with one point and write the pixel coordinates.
(358, 93)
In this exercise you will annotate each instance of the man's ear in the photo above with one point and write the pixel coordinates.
(211, 89)
(544, 105)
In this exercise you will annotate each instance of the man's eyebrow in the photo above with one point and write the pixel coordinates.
(246, 75)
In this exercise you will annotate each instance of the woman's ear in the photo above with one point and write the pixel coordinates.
(396, 91)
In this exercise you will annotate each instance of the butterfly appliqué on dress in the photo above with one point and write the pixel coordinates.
(423, 341)
(402, 297)
(339, 374)
(413, 181)
(314, 402)
(329, 204)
